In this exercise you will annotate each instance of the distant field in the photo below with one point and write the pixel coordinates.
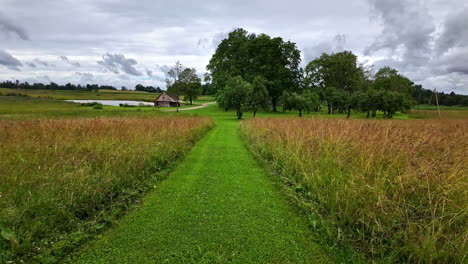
(93, 95)
(20, 107)
(85, 95)
(206, 98)
(442, 107)
(63, 179)
(445, 113)
(393, 189)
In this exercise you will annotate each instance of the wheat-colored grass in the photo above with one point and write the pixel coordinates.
(57, 174)
(395, 190)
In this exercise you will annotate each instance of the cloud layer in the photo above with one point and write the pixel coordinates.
(8, 27)
(124, 42)
(9, 61)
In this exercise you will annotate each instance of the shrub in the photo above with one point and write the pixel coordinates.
(127, 105)
(90, 104)
(97, 106)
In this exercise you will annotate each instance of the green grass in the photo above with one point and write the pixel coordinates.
(19, 107)
(442, 107)
(218, 206)
(206, 98)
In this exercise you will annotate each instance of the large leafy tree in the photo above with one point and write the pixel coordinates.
(258, 96)
(339, 70)
(333, 74)
(249, 55)
(308, 101)
(235, 96)
(174, 73)
(389, 79)
(230, 58)
(191, 84)
(184, 81)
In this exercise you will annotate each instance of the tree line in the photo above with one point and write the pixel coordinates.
(250, 72)
(149, 89)
(54, 86)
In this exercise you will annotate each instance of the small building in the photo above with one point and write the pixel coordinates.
(167, 100)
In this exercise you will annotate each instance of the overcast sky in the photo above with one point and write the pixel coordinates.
(125, 42)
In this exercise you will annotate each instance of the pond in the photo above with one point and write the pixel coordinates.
(110, 102)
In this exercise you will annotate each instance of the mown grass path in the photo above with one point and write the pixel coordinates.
(218, 206)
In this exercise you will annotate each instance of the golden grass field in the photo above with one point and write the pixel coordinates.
(396, 190)
(60, 177)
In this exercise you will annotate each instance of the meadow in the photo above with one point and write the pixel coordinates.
(64, 179)
(83, 95)
(382, 190)
(91, 95)
(395, 191)
(20, 107)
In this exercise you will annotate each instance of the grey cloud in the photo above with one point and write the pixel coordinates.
(124, 77)
(117, 62)
(212, 42)
(455, 62)
(43, 63)
(406, 27)
(9, 61)
(163, 68)
(85, 77)
(65, 59)
(149, 73)
(43, 78)
(30, 64)
(336, 44)
(455, 32)
(8, 27)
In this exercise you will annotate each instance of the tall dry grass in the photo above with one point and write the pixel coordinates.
(61, 176)
(395, 190)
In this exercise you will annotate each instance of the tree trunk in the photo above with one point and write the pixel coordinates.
(191, 100)
(300, 113)
(368, 113)
(255, 113)
(329, 109)
(349, 113)
(239, 116)
(273, 102)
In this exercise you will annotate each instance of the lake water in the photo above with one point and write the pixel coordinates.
(110, 102)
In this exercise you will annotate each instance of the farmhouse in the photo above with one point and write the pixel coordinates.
(167, 100)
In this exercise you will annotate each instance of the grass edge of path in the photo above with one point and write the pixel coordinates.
(73, 241)
(157, 239)
(319, 227)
